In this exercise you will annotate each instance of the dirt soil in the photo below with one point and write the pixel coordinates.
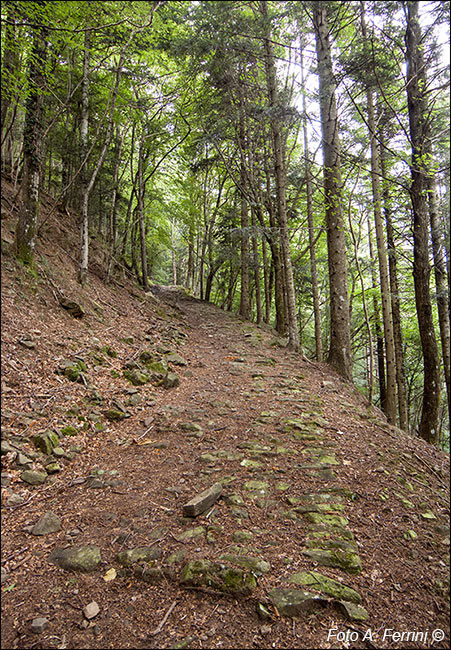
(239, 385)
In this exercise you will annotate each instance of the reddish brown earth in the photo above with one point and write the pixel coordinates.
(403, 583)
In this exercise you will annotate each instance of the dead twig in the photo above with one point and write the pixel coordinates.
(431, 469)
(158, 629)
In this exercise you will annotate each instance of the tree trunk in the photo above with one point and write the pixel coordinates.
(280, 180)
(420, 135)
(10, 62)
(244, 224)
(84, 181)
(394, 292)
(26, 230)
(311, 229)
(340, 338)
(378, 330)
(440, 283)
(389, 405)
(141, 218)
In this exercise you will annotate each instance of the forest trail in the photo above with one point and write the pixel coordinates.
(329, 521)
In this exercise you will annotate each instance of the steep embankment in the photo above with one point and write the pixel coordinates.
(321, 500)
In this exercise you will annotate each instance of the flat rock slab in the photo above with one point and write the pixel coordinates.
(82, 558)
(320, 507)
(202, 501)
(192, 533)
(326, 585)
(257, 488)
(295, 602)
(254, 564)
(328, 520)
(213, 575)
(345, 560)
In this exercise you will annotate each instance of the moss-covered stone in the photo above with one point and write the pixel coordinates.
(192, 533)
(345, 560)
(328, 520)
(69, 431)
(203, 573)
(46, 441)
(326, 585)
(83, 558)
(114, 415)
(139, 554)
(136, 376)
(257, 488)
(254, 564)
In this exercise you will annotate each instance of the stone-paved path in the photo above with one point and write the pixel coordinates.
(222, 506)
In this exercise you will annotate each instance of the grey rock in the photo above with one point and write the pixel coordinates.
(353, 612)
(33, 478)
(90, 611)
(171, 380)
(38, 625)
(15, 500)
(6, 447)
(48, 523)
(293, 602)
(22, 460)
(201, 502)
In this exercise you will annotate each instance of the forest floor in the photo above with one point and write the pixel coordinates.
(340, 493)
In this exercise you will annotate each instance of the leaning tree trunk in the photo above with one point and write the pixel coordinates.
(26, 230)
(420, 134)
(340, 337)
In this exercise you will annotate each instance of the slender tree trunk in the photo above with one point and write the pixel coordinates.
(10, 62)
(420, 135)
(440, 283)
(389, 405)
(340, 338)
(84, 181)
(190, 271)
(174, 259)
(267, 316)
(244, 296)
(26, 230)
(311, 228)
(141, 218)
(394, 293)
(378, 331)
(280, 180)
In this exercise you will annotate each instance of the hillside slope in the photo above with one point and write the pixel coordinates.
(328, 522)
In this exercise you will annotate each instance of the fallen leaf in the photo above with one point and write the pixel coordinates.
(110, 575)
